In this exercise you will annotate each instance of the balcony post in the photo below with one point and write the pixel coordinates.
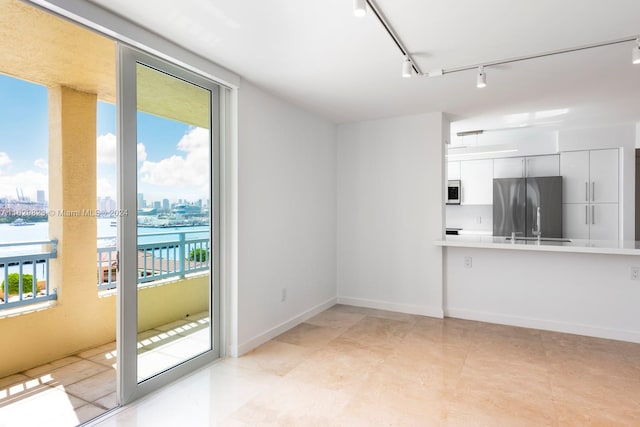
(182, 253)
(72, 193)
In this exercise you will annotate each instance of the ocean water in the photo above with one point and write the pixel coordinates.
(106, 237)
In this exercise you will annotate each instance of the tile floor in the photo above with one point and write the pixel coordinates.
(350, 366)
(73, 390)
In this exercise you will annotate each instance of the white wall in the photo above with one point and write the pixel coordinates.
(286, 218)
(587, 294)
(390, 210)
(470, 217)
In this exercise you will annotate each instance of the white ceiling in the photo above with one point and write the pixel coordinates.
(319, 56)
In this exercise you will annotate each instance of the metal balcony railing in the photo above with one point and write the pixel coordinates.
(171, 254)
(24, 277)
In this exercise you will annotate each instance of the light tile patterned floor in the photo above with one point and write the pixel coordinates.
(73, 390)
(350, 366)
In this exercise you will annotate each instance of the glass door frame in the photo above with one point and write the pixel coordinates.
(128, 388)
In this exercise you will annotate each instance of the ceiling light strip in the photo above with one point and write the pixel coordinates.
(540, 55)
(394, 36)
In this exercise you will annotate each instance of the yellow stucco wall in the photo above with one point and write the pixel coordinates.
(39, 337)
(159, 305)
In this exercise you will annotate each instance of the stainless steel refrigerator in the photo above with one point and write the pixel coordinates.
(521, 204)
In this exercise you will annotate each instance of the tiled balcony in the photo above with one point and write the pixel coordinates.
(72, 390)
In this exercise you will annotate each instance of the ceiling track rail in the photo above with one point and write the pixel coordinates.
(383, 20)
(439, 72)
(539, 55)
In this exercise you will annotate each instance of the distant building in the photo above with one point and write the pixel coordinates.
(165, 204)
(40, 196)
(106, 204)
(157, 205)
(141, 203)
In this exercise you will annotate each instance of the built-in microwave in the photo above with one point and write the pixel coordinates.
(453, 192)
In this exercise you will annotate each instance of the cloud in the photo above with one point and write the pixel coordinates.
(28, 181)
(41, 163)
(192, 169)
(107, 149)
(4, 159)
(105, 188)
(142, 152)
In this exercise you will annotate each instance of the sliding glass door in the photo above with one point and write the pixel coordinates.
(169, 222)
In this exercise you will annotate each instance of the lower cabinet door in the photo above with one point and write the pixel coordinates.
(575, 220)
(603, 221)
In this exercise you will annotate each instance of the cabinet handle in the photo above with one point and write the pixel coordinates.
(593, 191)
(524, 172)
(586, 214)
(586, 191)
(593, 214)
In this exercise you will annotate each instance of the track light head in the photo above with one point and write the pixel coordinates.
(481, 81)
(636, 52)
(359, 8)
(406, 67)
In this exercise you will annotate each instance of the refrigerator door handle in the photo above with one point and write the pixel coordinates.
(593, 214)
(593, 191)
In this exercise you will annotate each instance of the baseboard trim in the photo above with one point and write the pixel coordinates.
(258, 340)
(392, 306)
(547, 325)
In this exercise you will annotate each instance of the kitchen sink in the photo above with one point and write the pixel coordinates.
(543, 239)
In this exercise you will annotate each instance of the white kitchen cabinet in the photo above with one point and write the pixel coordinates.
(453, 170)
(510, 167)
(575, 220)
(574, 169)
(476, 180)
(589, 176)
(603, 174)
(603, 221)
(595, 221)
(537, 166)
(530, 166)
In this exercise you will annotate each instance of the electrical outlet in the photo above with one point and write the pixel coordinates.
(635, 273)
(283, 296)
(467, 262)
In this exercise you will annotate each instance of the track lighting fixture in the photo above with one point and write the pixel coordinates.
(359, 8)
(482, 78)
(406, 67)
(410, 67)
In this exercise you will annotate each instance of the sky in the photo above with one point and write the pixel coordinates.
(172, 156)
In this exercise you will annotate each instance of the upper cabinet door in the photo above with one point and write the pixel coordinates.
(476, 179)
(574, 168)
(603, 184)
(453, 170)
(538, 166)
(511, 167)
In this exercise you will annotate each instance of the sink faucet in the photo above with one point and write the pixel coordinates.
(537, 232)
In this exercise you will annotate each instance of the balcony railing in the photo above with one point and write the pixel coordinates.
(170, 254)
(24, 277)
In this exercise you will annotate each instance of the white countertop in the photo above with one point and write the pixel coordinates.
(612, 247)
